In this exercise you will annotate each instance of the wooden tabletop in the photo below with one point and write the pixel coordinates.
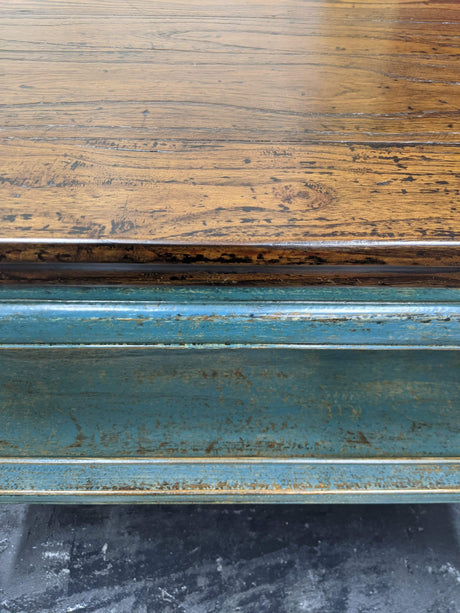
(254, 131)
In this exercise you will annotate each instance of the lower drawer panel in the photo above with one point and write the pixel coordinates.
(276, 402)
(323, 417)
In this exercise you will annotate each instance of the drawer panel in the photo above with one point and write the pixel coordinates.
(229, 394)
(274, 402)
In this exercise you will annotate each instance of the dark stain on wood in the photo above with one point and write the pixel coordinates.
(276, 130)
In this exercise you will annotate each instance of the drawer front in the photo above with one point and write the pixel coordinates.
(229, 394)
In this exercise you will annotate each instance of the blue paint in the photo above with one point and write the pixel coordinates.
(186, 384)
(170, 318)
(288, 402)
(229, 480)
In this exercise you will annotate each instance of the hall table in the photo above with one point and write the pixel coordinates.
(229, 251)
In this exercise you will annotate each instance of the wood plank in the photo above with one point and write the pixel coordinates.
(242, 481)
(173, 372)
(229, 394)
(184, 318)
(279, 129)
(125, 401)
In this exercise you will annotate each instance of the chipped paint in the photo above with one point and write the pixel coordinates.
(335, 413)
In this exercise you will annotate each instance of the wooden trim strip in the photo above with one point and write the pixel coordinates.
(352, 252)
(305, 480)
(222, 320)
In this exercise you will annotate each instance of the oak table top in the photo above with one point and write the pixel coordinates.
(306, 132)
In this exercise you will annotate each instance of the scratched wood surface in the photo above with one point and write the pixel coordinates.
(287, 131)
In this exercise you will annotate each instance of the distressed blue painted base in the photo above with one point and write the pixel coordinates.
(231, 480)
(229, 395)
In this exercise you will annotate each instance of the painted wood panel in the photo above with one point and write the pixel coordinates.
(177, 481)
(229, 402)
(229, 393)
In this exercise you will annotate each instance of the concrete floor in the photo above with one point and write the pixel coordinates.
(228, 559)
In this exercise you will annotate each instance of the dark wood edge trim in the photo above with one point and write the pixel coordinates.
(60, 273)
(383, 253)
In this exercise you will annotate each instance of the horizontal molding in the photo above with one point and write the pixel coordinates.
(225, 294)
(229, 479)
(179, 275)
(221, 320)
(119, 268)
(229, 347)
(324, 244)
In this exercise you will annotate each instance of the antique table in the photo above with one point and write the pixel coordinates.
(229, 251)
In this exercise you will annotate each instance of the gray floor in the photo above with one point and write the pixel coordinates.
(200, 559)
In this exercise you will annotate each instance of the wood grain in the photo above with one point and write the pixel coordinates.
(294, 132)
